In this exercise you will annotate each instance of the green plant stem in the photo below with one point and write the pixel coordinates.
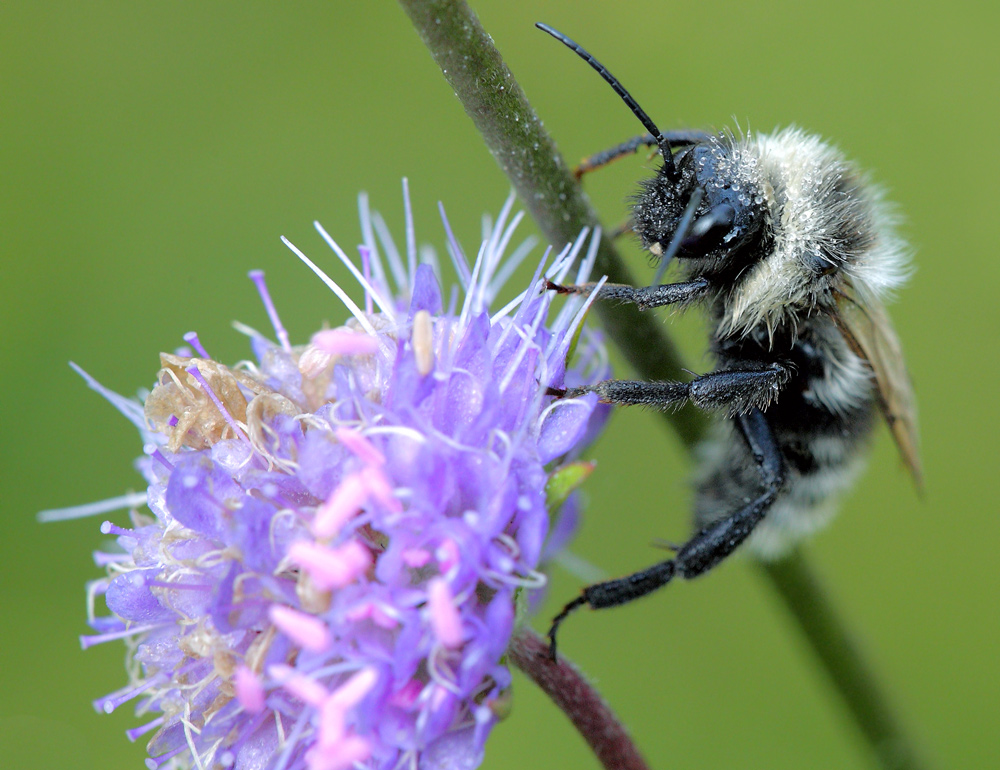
(809, 604)
(515, 136)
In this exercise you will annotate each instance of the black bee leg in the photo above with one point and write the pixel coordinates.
(601, 159)
(614, 592)
(736, 391)
(710, 545)
(714, 542)
(643, 296)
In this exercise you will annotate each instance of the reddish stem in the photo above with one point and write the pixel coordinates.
(572, 693)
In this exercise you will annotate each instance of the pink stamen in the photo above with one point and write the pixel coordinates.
(373, 612)
(249, 690)
(257, 276)
(308, 631)
(416, 557)
(344, 342)
(305, 689)
(349, 694)
(380, 488)
(191, 338)
(360, 446)
(331, 567)
(334, 741)
(447, 555)
(332, 723)
(281, 672)
(341, 755)
(341, 506)
(446, 622)
(407, 695)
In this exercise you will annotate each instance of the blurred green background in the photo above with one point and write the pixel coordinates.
(152, 153)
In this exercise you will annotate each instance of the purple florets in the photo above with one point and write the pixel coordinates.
(338, 533)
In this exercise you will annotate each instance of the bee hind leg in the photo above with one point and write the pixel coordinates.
(629, 146)
(709, 546)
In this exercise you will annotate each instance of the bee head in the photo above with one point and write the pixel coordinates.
(709, 209)
(704, 204)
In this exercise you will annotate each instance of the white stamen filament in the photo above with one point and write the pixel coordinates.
(334, 287)
(133, 500)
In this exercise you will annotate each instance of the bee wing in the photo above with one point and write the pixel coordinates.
(868, 330)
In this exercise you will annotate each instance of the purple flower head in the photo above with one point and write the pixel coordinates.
(329, 571)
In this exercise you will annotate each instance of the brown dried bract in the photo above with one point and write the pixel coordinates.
(178, 394)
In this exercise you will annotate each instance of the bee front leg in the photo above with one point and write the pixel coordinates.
(710, 545)
(682, 293)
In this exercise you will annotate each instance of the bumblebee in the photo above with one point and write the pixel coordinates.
(791, 251)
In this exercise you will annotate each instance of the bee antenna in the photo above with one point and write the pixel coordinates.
(661, 140)
(682, 230)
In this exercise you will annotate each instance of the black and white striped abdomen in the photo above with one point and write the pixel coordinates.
(821, 420)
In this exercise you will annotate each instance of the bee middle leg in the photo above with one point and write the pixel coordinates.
(753, 386)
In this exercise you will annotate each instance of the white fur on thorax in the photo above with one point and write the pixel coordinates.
(796, 173)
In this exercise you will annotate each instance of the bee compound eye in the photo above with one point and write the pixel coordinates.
(709, 229)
